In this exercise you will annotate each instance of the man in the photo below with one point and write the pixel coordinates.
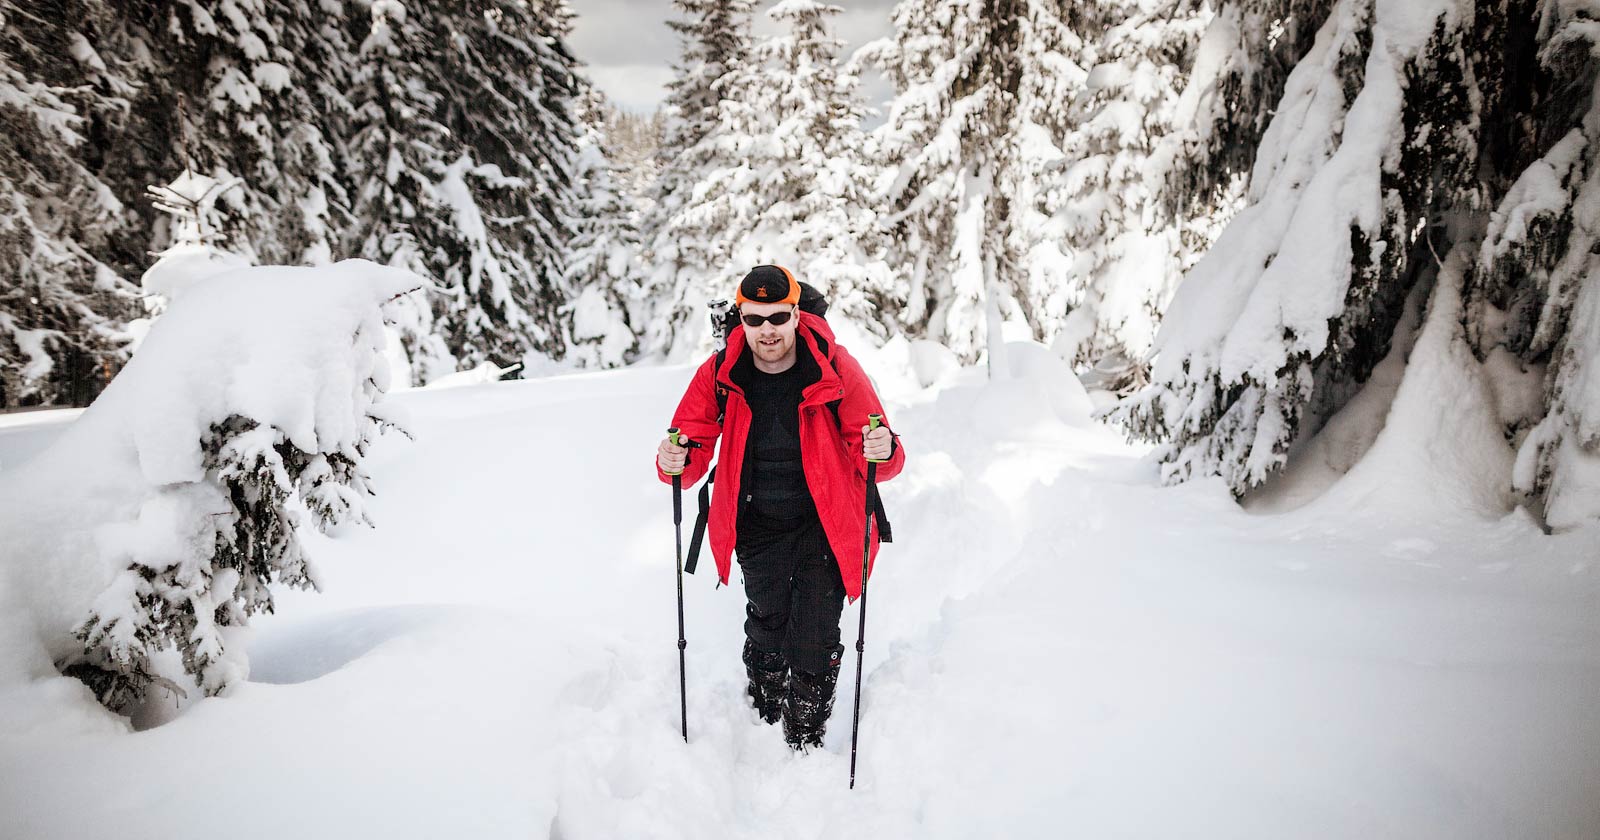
(791, 490)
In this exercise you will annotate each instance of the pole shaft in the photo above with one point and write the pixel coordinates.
(683, 678)
(861, 632)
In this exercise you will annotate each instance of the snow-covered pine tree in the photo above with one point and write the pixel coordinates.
(603, 256)
(1370, 153)
(1534, 302)
(462, 164)
(1236, 80)
(510, 62)
(396, 146)
(1104, 256)
(814, 185)
(225, 508)
(231, 84)
(949, 157)
(197, 250)
(686, 263)
(634, 141)
(259, 84)
(62, 307)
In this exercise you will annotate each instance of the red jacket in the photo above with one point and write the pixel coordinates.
(830, 452)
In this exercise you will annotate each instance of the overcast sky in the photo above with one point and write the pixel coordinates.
(629, 50)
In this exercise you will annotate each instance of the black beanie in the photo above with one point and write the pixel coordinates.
(768, 284)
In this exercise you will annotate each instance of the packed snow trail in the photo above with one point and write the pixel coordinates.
(1057, 648)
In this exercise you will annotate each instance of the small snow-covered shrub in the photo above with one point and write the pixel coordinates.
(249, 409)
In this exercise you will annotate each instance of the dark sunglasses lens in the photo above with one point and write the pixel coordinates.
(778, 319)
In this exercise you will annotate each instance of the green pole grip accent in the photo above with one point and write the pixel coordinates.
(873, 422)
(677, 440)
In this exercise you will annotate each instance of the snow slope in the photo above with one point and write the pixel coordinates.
(1057, 648)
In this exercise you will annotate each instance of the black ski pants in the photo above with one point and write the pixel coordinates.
(794, 594)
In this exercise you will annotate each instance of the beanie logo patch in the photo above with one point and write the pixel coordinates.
(762, 292)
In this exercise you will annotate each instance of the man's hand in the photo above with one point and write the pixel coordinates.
(876, 444)
(670, 457)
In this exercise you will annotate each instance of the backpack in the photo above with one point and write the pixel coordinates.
(724, 317)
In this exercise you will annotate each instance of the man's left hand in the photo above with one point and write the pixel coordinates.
(876, 444)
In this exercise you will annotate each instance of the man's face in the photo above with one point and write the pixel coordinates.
(772, 344)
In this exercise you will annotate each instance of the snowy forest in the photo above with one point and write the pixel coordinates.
(1245, 353)
(1148, 186)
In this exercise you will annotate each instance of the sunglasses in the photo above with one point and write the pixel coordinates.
(778, 319)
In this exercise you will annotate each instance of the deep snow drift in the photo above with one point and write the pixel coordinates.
(1057, 647)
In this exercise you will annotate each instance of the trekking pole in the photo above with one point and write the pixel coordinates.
(677, 524)
(861, 635)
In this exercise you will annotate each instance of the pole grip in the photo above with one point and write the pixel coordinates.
(676, 437)
(873, 422)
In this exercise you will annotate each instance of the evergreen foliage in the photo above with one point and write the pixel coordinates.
(223, 511)
(1104, 264)
(1534, 298)
(63, 301)
(686, 232)
(301, 102)
(602, 266)
(948, 155)
(441, 139)
(1280, 322)
(814, 175)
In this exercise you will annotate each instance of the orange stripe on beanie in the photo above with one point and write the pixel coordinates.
(768, 284)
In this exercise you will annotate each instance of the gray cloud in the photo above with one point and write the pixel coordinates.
(629, 49)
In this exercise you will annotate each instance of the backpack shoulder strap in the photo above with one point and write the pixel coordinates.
(698, 536)
(885, 531)
(722, 391)
(693, 561)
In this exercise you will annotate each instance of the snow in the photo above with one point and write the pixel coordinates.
(272, 76)
(84, 52)
(193, 255)
(394, 10)
(1318, 461)
(31, 343)
(1457, 459)
(485, 372)
(1056, 647)
(1575, 490)
(184, 265)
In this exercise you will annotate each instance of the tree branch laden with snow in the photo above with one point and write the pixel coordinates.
(252, 404)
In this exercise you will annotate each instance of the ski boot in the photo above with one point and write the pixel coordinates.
(806, 707)
(768, 675)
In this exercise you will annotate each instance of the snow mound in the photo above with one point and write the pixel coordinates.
(1441, 446)
(1041, 392)
(288, 360)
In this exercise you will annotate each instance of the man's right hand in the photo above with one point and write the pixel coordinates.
(671, 457)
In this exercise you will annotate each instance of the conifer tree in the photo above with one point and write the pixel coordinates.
(1371, 148)
(602, 262)
(463, 168)
(259, 84)
(63, 308)
(814, 184)
(684, 256)
(396, 148)
(948, 155)
(1236, 80)
(1103, 263)
(1535, 298)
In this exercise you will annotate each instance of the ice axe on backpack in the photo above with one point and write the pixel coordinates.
(873, 421)
(678, 439)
